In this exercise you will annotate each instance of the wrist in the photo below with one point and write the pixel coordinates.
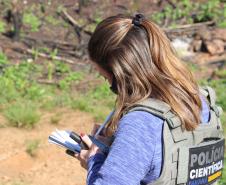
(96, 158)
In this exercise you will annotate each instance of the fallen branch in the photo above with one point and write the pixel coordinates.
(66, 60)
(75, 24)
(71, 19)
(219, 60)
(62, 50)
(47, 41)
(188, 26)
(215, 60)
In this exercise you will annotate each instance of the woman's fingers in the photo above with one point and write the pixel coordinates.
(76, 155)
(71, 153)
(86, 139)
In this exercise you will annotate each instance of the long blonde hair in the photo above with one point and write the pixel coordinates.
(144, 65)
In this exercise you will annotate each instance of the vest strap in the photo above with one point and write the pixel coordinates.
(211, 95)
(158, 108)
(183, 164)
(155, 104)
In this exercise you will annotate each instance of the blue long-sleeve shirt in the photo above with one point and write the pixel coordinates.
(135, 157)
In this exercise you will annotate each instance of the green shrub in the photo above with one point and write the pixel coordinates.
(221, 73)
(35, 92)
(22, 114)
(71, 78)
(102, 91)
(32, 21)
(99, 101)
(55, 118)
(2, 26)
(61, 67)
(189, 12)
(3, 60)
(19, 81)
(8, 91)
(51, 20)
(223, 180)
(82, 103)
(32, 146)
(209, 11)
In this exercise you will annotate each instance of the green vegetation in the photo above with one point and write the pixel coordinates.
(3, 59)
(98, 101)
(32, 21)
(22, 97)
(192, 12)
(52, 20)
(32, 147)
(19, 81)
(193, 67)
(72, 77)
(223, 180)
(221, 73)
(2, 26)
(55, 118)
(22, 114)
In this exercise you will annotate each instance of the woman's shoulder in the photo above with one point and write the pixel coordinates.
(142, 120)
(141, 115)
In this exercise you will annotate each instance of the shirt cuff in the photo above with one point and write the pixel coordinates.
(97, 158)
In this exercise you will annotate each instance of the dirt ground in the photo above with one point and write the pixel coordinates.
(50, 165)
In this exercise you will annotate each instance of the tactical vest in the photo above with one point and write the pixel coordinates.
(189, 157)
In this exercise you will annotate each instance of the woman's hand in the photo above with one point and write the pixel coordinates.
(84, 155)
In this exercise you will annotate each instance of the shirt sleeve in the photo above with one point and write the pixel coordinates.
(205, 113)
(131, 154)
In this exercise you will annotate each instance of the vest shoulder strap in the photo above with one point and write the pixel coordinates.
(164, 111)
(157, 108)
(210, 94)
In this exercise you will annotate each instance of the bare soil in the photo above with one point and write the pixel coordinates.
(50, 165)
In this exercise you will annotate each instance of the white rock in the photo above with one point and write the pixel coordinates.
(182, 45)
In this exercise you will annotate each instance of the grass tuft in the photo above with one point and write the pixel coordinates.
(32, 147)
(22, 114)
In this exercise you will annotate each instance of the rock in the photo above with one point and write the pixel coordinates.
(182, 46)
(215, 46)
(219, 33)
(196, 45)
(205, 34)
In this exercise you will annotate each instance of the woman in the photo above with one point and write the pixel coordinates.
(136, 58)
